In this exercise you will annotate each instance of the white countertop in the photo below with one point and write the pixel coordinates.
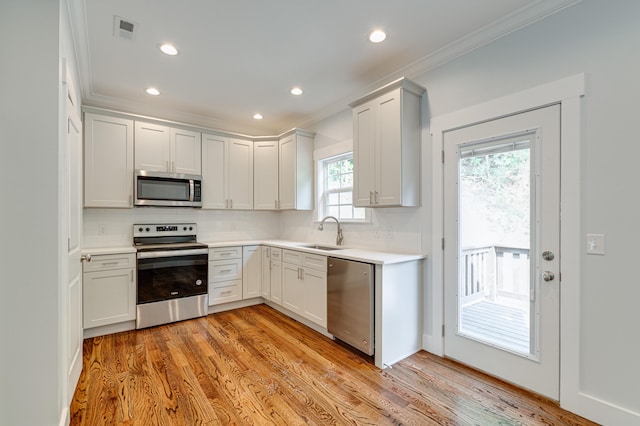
(360, 255)
(357, 254)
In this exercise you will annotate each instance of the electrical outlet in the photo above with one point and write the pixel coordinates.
(595, 244)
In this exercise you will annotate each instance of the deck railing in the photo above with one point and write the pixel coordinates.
(492, 271)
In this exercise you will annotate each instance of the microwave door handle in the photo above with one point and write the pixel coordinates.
(191, 190)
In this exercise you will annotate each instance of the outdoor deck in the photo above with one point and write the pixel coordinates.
(504, 323)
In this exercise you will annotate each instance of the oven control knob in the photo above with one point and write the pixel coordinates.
(184, 228)
(140, 229)
(191, 228)
(198, 282)
(147, 229)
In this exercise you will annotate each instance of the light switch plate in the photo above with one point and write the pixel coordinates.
(595, 244)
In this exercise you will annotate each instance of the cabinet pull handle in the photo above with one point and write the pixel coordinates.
(132, 275)
(225, 292)
(231, 203)
(167, 168)
(370, 197)
(225, 271)
(173, 167)
(225, 254)
(109, 263)
(377, 197)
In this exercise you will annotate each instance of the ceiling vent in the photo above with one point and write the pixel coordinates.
(124, 28)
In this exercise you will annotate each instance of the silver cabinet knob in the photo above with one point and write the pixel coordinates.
(548, 276)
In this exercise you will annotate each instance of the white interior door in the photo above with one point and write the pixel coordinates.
(502, 242)
(73, 194)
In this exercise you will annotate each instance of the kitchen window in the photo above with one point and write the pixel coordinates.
(336, 187)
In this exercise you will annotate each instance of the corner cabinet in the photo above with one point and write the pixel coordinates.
(386, 146)
(283, 172)
(227, 172)
(295, 172)
(108, 161)
(167, 149)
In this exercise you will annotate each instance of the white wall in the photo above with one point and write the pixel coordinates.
(602, 40)
(30, 355)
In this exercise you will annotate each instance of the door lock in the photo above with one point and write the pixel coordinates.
(548, 276)
(548, 255)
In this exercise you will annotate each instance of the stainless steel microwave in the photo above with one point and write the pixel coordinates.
(162, 189)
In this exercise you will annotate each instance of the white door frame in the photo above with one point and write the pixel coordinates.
(568, 92)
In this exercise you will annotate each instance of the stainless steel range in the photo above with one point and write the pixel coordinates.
(172, 273)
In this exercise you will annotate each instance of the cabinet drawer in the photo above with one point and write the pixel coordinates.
(231, 291)
(225, 270)
(276, 253)
(105, 262)
(314, 261)
(291, 256)
(225, 253)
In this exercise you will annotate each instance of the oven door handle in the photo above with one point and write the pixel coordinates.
(171, 253)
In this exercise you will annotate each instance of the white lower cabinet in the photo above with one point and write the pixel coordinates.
(225, 275)
(251, 272)
(109, 289)
(304, 285)
(276, 275)
(266, 272)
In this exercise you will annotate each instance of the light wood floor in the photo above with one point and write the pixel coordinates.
(255, 366)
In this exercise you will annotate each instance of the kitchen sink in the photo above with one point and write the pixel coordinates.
(321, 247)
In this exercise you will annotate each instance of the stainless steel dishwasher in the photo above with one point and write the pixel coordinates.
(350, 303)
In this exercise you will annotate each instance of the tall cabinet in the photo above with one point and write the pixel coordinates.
(386, 146)
(108, 161)
(227, 172)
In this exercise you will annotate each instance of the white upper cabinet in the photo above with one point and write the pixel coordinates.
(265, 177)
(167, 149)
(227, 173)
(386, 146)
(108, 161)
(295, 178)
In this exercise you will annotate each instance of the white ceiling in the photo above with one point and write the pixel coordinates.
(239, 57)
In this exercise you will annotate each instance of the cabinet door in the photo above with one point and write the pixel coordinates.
(265, 178)
(251, 272)
(108, 161)
(240, 175)
(152, 147)
(109, 297)
(287, 173)
(186, 152)
(266, 272)
(276, 281)
(363, 154)
(214, 153)
(315, 296)
(292, 287)
(388, 156)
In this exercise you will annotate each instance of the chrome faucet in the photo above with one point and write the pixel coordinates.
(339, 237)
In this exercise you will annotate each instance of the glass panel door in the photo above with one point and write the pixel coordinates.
(495, 242)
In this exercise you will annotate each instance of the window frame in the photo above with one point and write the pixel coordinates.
(324, 192)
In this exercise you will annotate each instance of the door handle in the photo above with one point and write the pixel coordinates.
(548, 255)
(548, 276)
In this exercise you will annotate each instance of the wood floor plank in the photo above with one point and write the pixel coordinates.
(255, 366)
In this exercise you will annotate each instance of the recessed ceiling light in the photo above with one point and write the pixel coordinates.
(296, 91)
(257, 116)
(152, 91)
(169, 49)
(377, 36)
